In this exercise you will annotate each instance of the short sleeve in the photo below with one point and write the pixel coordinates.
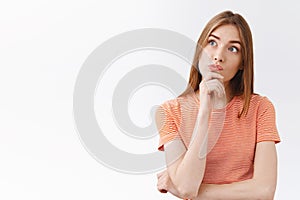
(167, 122)
(266, 122)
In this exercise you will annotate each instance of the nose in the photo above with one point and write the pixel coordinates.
(219, 57)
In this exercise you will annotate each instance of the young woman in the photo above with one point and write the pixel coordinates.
(219, 136)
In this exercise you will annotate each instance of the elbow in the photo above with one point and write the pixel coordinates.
(188, 192)
(266, 193)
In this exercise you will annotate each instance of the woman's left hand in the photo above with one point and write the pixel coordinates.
(162, 181)
(164, 184)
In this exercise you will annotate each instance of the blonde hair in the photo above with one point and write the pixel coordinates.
(242, 83)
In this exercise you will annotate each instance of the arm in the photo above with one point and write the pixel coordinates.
(186, 167)
(261, 186)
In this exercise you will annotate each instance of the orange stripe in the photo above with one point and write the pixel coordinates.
(232, 155)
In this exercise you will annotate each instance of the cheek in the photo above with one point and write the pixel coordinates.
(235, 63)
(208, 52)
(233, 71)
(204, 61)
(232, 68)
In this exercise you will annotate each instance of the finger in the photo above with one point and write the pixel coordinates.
(163, 178)
(212, 84)
(215, 86)
(162, 190)
(162, 186)
(213, 75)
(161, 174)
(220, 89)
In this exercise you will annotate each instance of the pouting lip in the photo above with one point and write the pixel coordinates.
(214, 67)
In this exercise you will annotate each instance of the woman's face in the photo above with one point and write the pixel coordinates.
(223, 49)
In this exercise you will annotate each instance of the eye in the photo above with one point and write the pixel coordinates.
(233, 49)
(212, 43)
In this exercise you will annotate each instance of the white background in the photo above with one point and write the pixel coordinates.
(42, 47)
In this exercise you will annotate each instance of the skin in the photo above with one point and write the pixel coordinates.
(261, 186)
(223, 49)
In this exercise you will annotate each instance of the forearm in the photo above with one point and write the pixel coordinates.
(189, 173)
(251, 189)
(261, 186)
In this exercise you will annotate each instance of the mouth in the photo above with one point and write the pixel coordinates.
(214, 67)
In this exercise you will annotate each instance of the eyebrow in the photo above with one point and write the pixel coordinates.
(231, 41)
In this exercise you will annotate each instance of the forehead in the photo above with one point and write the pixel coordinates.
(227, 33)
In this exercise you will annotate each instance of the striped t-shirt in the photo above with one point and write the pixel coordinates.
(231, 158)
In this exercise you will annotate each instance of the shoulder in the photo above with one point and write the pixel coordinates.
(180, 102)
(170, 106)
(260, 100)
(256, 101)
(261, 104)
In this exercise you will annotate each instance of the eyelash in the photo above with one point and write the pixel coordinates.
(210, 43)
(237, 50)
